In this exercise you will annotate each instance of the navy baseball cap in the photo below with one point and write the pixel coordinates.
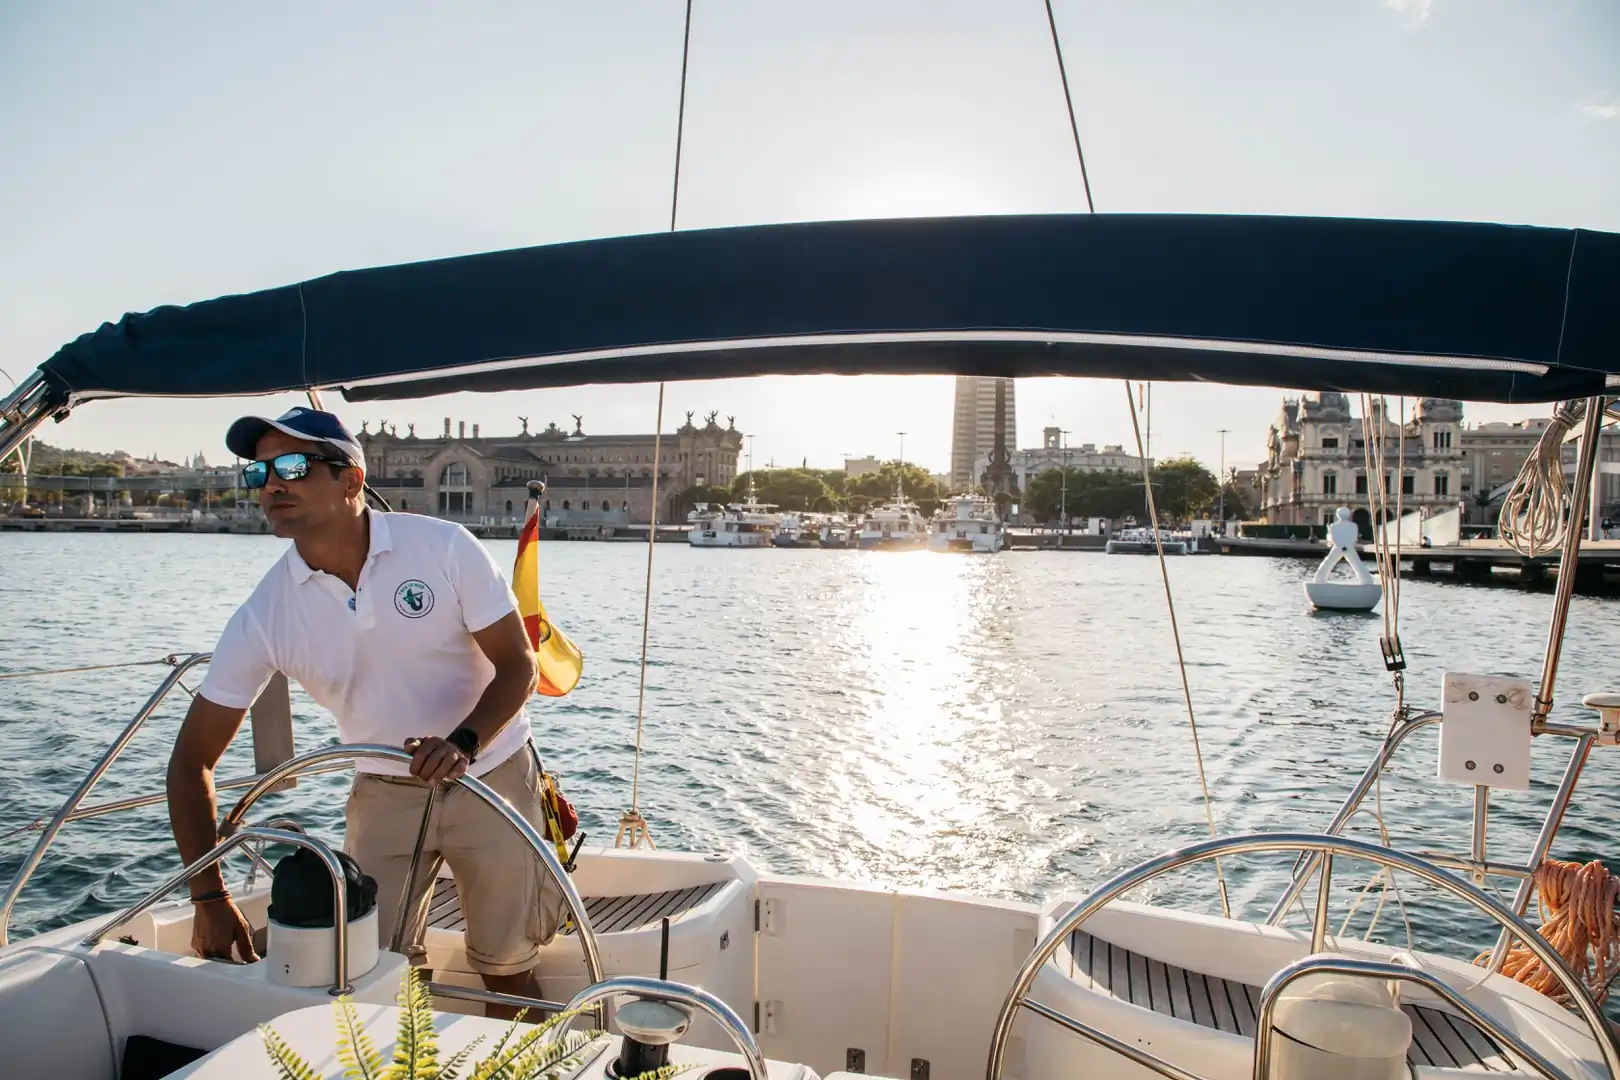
(301, 423)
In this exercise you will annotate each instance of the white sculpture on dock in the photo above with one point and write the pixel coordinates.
(1364, 592)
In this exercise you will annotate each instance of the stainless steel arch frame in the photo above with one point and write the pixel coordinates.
(66, 810)
(691, 997)
(1326, 846)
(377, 752)
(1324, 965)
(340, 892)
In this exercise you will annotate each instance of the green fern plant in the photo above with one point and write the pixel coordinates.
(519, 1054)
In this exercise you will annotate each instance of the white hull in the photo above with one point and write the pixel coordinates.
(899, 975)
(979, 543)
(1143, 547)
(715, 538)
(1343, 595)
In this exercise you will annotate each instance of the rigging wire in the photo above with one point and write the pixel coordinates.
(169, 660)
(1068, 100)
(633, 819)
(1175, 632)
(1147, 484)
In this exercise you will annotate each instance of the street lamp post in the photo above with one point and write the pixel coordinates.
(900, 478)
(1063, 496)
(1221, 480)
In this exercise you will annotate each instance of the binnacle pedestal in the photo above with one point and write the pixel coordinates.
(1364, 592)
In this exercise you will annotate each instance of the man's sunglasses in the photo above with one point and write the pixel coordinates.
(256, 474)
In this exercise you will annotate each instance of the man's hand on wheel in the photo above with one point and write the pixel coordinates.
(217, 926)
(433, 759)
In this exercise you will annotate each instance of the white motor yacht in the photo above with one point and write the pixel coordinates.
(838, 531)
(797, 530)
(897, 525)
(968, 522)
(747, 524)
(1143, 542)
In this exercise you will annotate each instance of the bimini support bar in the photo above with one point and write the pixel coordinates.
(67, 809)
(23, 410)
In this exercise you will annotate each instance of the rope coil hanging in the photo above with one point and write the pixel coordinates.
(1535, 512)
(1578, 919)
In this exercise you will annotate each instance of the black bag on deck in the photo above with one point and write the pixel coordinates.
(301, 892)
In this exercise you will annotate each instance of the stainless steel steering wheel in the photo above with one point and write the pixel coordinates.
(531, 836)
(1327, 847)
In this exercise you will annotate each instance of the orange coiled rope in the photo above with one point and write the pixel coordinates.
(1578, 920)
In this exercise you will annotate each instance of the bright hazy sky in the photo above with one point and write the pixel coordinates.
(171, 152)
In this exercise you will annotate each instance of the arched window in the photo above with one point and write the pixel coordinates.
(547, 505)
(509, 507)
(455, 491)
(565, 504)
(606, 505)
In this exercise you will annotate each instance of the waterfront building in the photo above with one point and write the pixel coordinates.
(860, 466)
(590, 479)
(1052, 454)
(973, 426)
(1316, 460)
(1496, 451)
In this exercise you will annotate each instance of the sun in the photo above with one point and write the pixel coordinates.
(911, 191)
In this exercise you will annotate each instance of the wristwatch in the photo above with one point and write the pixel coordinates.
(465, 740)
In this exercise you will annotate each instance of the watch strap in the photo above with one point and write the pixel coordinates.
(465, 740)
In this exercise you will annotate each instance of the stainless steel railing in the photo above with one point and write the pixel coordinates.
(340, 893)
(1325, 846)
(1476, 864)
(68, 808)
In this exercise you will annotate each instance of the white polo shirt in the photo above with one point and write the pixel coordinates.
(393, 660)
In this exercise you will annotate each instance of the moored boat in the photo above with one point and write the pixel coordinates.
(897, 525)
(967, 522)
(1144, 542)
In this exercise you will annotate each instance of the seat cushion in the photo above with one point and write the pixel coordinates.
(51, 1019)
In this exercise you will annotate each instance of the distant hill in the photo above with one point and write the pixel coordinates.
(48, 460)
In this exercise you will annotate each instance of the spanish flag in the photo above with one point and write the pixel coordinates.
(559, 659)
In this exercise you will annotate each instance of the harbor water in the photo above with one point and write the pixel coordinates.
(1008, 725)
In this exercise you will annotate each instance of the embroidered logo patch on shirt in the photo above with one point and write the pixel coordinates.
(413, 599)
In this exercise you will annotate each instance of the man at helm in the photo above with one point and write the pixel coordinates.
(403, 628)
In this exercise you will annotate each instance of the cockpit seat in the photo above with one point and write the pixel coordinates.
(51, 1018)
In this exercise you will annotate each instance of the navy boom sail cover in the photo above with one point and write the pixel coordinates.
(1475, 311)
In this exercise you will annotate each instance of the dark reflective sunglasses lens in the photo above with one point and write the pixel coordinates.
(254, 474)
(292, 466)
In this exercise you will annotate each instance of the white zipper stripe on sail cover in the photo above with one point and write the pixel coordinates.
(1312, 352)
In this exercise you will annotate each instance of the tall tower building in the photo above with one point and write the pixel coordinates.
(973, 427)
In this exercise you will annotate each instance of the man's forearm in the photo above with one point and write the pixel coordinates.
(192, 816)
(502, 700)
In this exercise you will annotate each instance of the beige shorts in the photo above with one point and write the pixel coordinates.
(511, 905)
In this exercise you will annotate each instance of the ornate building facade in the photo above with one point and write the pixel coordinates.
(1316, 460)
(1053, 454)
(590, 479)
